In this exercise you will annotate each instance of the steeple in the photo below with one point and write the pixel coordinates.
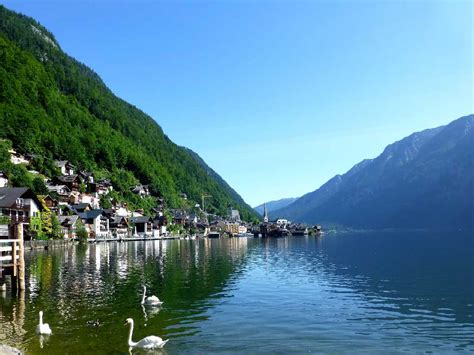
(265, 214)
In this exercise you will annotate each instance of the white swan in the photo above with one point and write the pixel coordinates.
(151, 300)
(42, 328)
(150, 342)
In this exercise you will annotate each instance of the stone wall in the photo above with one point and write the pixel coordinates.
(49, 244)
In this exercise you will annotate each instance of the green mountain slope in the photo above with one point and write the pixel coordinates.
(58, 108)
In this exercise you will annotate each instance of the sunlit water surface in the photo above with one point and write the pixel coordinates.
(371, 292)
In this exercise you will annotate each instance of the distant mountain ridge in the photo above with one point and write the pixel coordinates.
(425, 180)
(275, 205)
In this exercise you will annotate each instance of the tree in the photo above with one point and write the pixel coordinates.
(81, 234)
(39, 187)
(55, 227)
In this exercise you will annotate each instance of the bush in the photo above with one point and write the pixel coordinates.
(81, 234)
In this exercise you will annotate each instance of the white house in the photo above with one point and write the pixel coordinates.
(19, 204)
(281, 221)
(141, 225)
(16, 158)
(96, 223)
(3, 179)
(65, 166)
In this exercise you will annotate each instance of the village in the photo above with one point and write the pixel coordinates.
(74, 209)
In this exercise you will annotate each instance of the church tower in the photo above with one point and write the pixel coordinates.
(265, 214)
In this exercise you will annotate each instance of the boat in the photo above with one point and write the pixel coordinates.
(244, 235)
(299, 231)
(213, 235)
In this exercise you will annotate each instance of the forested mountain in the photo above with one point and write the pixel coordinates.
(57, 108)
(425, 180)
(275, 205)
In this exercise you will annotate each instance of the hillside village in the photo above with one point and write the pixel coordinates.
(77, 205)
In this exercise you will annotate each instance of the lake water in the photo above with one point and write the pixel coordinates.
(371, 292)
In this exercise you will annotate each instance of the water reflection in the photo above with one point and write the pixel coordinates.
(300, 294)
(104, 281)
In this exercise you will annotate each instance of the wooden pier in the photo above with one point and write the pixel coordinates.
(12, 259)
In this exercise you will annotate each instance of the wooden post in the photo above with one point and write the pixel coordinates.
(14, 262)
(14, 270)
(21, 261)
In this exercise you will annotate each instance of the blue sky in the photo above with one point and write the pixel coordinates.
(276, 96)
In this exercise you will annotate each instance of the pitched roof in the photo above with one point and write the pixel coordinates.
(81, 206)
(115, 221)
(9, 196)
(57, 188)
(141, 219)
(92, 214)
(61, 163)
(68, 221)
(67, 178)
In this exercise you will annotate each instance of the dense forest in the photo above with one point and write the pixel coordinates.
(54, 107)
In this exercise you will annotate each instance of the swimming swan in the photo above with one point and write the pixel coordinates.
(150, 301)
(150, 342)
(42, 328)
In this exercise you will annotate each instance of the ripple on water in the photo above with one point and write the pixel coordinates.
(247, 296)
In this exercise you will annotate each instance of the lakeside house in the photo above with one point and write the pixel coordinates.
(69, 225)
(19, 204)
(179, 216)
(95, 223)
(75, 198)
(119, 226)
(234, 215)
(142, 225)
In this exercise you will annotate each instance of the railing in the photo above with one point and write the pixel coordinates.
(18, 219)
(9, 252)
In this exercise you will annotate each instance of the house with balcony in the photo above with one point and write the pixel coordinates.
(63, 192)
(96, 223)
(73, 182)
(119, 226)
(19, 204)
(142, 225)
(51, 203)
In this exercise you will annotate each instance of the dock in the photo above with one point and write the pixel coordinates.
(12, 259)
(131, 239)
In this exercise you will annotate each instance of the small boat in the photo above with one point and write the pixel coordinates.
(299, 231)
(214, 235)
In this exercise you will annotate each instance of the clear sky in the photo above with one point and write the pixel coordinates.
(276, 96)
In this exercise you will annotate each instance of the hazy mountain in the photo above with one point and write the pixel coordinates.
(275, 205)
(425, 180)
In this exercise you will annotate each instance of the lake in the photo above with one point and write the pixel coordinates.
(369, 292)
